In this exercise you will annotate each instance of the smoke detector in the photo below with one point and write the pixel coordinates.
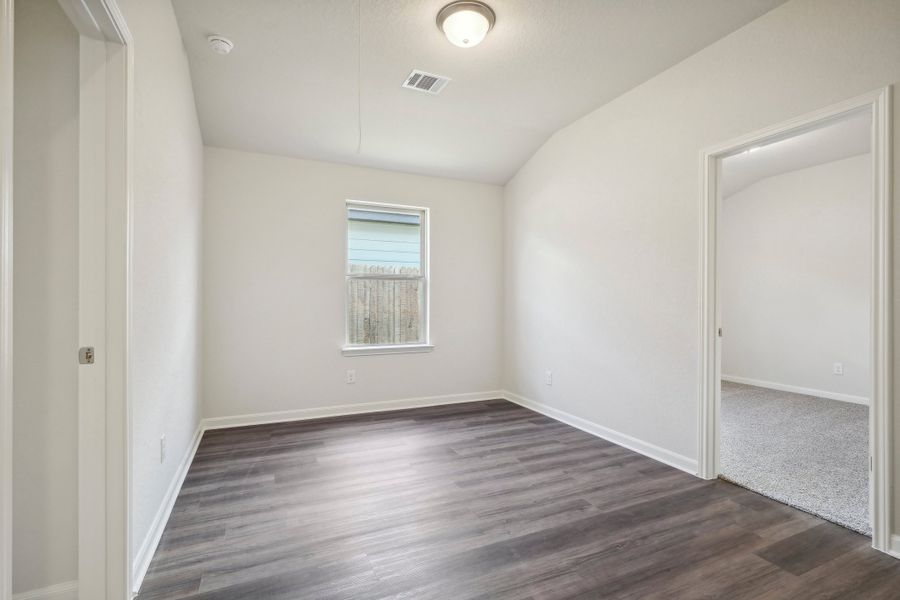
(219, 44)
(425, 82)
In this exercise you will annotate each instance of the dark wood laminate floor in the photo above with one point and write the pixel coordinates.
(485, 500)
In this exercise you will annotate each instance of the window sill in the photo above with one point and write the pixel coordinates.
(398, 349)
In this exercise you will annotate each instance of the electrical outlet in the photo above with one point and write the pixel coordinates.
(548, 377)
(351, 376)
(838, 368)
(162, 449)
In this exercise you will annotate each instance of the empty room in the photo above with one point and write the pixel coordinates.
(450, 300)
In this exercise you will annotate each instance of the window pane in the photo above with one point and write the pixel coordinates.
(384, 311)
(383, 242)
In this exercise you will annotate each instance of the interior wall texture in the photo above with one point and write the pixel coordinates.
(795, 278)
(45, 307)
(602, 224)
(274, 287)
(168, 201)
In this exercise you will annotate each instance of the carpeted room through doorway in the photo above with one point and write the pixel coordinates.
(804, 451)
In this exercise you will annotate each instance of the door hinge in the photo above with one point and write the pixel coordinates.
(720, 332)
(86, 355)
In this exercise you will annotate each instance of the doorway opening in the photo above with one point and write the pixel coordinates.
(65, 234)
(795, 258)
(794, 287)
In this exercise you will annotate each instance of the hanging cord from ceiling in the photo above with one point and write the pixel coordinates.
(358, 76)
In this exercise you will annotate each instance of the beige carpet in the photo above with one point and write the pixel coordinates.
(804, 451)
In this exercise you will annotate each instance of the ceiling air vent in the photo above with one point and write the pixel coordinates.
(426, 82)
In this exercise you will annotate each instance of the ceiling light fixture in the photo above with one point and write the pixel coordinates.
(466, 22)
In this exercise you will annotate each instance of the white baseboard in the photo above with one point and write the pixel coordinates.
(68, 591)
(151, 541)
(345, 409)
(894, 547)
(684, 463)
(783, 387)
(60, 591)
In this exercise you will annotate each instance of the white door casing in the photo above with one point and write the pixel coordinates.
(880, 413)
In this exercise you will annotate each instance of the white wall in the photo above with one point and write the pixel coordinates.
(795, 278)
(273, 269)
(45, 302)
(602, 224)
(168, 192)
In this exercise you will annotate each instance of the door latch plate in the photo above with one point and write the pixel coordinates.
(86, 355)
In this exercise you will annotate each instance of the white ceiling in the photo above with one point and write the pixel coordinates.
(290, 85)
(846, 137)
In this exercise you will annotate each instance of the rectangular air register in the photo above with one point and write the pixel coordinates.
(425, 82)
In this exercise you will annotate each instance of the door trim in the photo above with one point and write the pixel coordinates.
(105, 234)
(99, 20)
(105, 209)
(6, 295)
(880, 413)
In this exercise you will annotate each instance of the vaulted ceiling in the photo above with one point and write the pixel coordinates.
(845, 137)
(320, 79)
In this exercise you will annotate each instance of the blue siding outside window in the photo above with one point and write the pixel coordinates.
(377, 239)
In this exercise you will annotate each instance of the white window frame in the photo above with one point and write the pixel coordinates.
(424, 276)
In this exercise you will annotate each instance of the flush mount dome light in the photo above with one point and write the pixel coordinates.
(466, 22)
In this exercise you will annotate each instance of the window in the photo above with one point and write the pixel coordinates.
(386, 279)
